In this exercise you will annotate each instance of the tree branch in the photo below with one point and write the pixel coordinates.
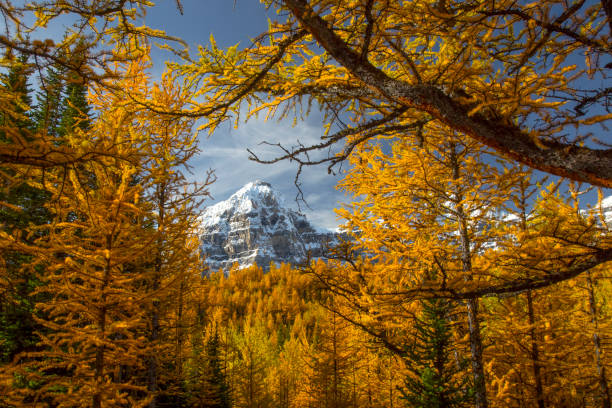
(567, 160)
(513, 287)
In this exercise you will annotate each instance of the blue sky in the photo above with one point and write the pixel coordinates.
(225, 151)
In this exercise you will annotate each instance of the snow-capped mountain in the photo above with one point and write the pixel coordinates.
(606, 208)
(255, 226)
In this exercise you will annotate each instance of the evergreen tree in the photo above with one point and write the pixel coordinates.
(24, 207)
(49, 102)
(15, 83)
(17, 305)
(75, 108)
(213, 390)
(436, 378)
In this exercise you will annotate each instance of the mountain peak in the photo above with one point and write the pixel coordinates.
(257, 183)
(255, 186)
(254, 226)
(259, 191)
(250, 198)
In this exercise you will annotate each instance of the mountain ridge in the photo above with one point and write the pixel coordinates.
(254, 225)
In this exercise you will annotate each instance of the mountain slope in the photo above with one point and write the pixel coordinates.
(255, 226)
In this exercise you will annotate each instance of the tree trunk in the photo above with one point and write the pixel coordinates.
(152, 375)
(179, 333)
(476, 349)
(390, 382)
(153, 337)
(251, 402)
(535, 353)
(101, 321)
(480, 393)
(604, 391)
(335, 397)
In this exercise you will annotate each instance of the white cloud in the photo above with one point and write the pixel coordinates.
(225, 152)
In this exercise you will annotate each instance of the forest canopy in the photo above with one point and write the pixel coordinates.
(474, 272)
(527, 80)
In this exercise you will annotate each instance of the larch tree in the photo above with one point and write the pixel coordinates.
(600, 331)
(545, 342)
(333, 354)
(100, 35)
(542, 350)
(525, 193)
(96, 236)
(417, 209)
(175, 254)
(106, 291)
(290, 369)
(529, 357)
(501, 73)
(520, 323)
(255, 353)
(595, 312)
(515, 77)
(587, 323)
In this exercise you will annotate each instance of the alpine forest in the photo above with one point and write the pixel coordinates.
(469, 143)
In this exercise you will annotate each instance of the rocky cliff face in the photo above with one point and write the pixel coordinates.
(255, 226)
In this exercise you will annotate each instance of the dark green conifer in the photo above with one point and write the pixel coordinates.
(16, 82)
(438, 378)
(26, 207)
(49, 102)
(75, 108)
(210, 389)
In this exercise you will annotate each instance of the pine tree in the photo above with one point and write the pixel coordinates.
(210, 389)
(17, 117)
(24, 206)
(436, 378)
(18, 328)
(49, 102)
(75, 108)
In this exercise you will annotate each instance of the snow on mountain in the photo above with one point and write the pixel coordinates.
(255, 226)
(606, 208)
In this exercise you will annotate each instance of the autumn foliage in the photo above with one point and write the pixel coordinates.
(465, 279)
